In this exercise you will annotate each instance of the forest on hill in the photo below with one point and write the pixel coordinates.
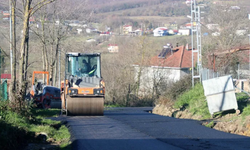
(141, 7)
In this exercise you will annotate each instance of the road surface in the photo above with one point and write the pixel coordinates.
(136, 129)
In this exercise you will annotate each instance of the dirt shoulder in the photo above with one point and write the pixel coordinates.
(232, 122)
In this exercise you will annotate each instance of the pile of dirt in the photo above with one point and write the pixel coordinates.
(168, 110)
(231, 123)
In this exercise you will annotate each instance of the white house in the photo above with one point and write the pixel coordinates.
(79, 31)
(90, 30)
(160, 31)
(113, 48)
(216, 34)
(184, 32)
(169, 66)
(127, 29)
(188, 2)
(213, 27)
(139, 32)
(241, 32)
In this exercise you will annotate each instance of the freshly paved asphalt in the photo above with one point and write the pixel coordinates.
(136, 129)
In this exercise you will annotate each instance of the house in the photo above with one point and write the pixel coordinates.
(57, 22)
(189, 25)
(90, 30)
(113, 48)
(32, 20)
(160, 31)
(105, 33)
(6, 15)
(188, 2)
(127, 29)
(184, 32)
(172, 32)
(5, 76)
(235, 7)
(79, 31)
(139, 32)
(241, 32)
(213, 27)
(216, 34)
(169, 66)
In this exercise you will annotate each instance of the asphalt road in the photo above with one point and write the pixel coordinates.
(136, 129)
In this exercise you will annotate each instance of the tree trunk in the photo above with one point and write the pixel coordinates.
(24, 49)
(55, 73)
(13, 47)
(55, 63)
(44, 51)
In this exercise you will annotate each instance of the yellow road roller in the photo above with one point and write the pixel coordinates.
(83, 90)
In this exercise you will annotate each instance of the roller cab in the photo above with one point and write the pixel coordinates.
(83, 89)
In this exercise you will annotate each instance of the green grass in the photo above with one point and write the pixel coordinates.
(210, 124)
(246, 111)
(241, 96)
(15, 127)
(194, 101)
(46, 112)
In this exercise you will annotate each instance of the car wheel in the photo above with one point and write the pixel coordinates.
(46, 103)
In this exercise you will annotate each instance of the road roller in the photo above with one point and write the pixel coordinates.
(83, 89)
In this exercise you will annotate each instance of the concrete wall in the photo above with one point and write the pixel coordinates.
(153, 75)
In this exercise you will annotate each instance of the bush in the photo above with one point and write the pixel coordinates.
(179, 87)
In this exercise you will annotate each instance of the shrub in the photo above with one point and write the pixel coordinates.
(179, 87)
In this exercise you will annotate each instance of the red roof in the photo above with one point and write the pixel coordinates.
(105, 33)
(5, 76)
(181, 58)
(127, 26)
(163, 29)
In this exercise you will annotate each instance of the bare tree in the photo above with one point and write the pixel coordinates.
(55, 30)
(229, 31)
(23, 9)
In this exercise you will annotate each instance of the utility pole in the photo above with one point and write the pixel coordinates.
(11, 53)
(249, 49)
(195, 19)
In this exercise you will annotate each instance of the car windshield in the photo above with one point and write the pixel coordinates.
(84, 66)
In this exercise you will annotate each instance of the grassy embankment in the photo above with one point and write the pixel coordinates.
(18, 131)
(194, 101)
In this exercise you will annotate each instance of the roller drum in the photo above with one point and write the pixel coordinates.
(86, 106)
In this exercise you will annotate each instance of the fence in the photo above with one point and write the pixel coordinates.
(241, 85)
(210, 74)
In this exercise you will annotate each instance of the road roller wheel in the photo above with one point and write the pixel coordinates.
(86, 106)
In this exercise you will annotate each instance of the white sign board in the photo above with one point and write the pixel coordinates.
(220, 94)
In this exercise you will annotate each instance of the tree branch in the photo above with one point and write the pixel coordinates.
(40, 5)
